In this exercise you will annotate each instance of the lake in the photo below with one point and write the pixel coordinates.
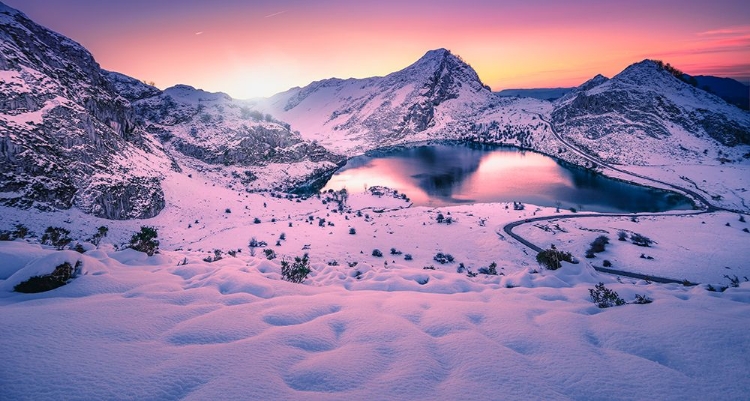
(454, 174)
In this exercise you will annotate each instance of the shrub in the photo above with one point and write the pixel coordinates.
(440, 218)
(270, 254)
(642, 299)
(622, 236)
(742, 220)
(58, 278)
(394, 251)
(21, 231)
(256, 221)
(492, 269)
(552, 258)
(607, 263)
(641, 240)
(227, 210)
(101, 232)
(296, 272)
(377, 253)
(56, 236)
(282, 237)
(599, 244)
(408, 257)
(145, 241)
(352, 231)
(443, 258)
(603, 297)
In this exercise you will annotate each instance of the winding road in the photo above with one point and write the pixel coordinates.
(701, 202)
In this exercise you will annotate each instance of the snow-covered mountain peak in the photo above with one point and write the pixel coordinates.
(442, 65)
(649, 73)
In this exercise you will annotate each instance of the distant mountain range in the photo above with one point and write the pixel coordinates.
(550, 94)
(733, 91)
(72, 134)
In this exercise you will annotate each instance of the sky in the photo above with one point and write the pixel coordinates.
(261, 47)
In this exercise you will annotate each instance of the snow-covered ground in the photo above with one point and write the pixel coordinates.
(138, 327)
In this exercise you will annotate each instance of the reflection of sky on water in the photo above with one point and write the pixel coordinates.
(444, 175)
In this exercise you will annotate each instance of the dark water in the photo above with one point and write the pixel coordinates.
(439, 175)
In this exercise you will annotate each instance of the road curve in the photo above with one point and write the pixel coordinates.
(703, 203)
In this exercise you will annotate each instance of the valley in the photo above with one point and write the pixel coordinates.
(408, 291)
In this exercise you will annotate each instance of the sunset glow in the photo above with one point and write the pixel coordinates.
(263, 47)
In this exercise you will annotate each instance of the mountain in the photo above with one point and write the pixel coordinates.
(646, 115)
(550, 94)
(73, 134)
(731, 90)
(214, 132)
(434, 94)
(67, 138)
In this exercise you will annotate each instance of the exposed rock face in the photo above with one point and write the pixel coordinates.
(219, 130)
(63, 123)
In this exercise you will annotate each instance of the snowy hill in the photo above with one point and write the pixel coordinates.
(645, 115)
(66, 137)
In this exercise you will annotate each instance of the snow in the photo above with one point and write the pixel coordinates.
(133, 326)
(177, 325)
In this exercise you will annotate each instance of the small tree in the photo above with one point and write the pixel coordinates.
(59, 277)
(297, 271)
(440, 218)
(21, 231)
(552, 258)
(603, 297)
(352, 231)
(270, 254)
(145, 241)
(377, 253)
(599, 244)
(641, 240)
(57, 237)
(101, 232)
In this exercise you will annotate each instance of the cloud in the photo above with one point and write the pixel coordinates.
(735, 30)
(199, 33)
(274, 14)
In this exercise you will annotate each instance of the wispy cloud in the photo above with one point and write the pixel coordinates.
(199, 33)
(735, 30)
(274, 14)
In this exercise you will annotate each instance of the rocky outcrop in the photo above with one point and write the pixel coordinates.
(62, 122)
(647, 105)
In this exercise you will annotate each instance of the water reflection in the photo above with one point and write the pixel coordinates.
(439, 175)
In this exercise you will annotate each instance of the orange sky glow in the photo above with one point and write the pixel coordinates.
(258, 48)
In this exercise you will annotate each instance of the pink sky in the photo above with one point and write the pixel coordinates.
(261, 47)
